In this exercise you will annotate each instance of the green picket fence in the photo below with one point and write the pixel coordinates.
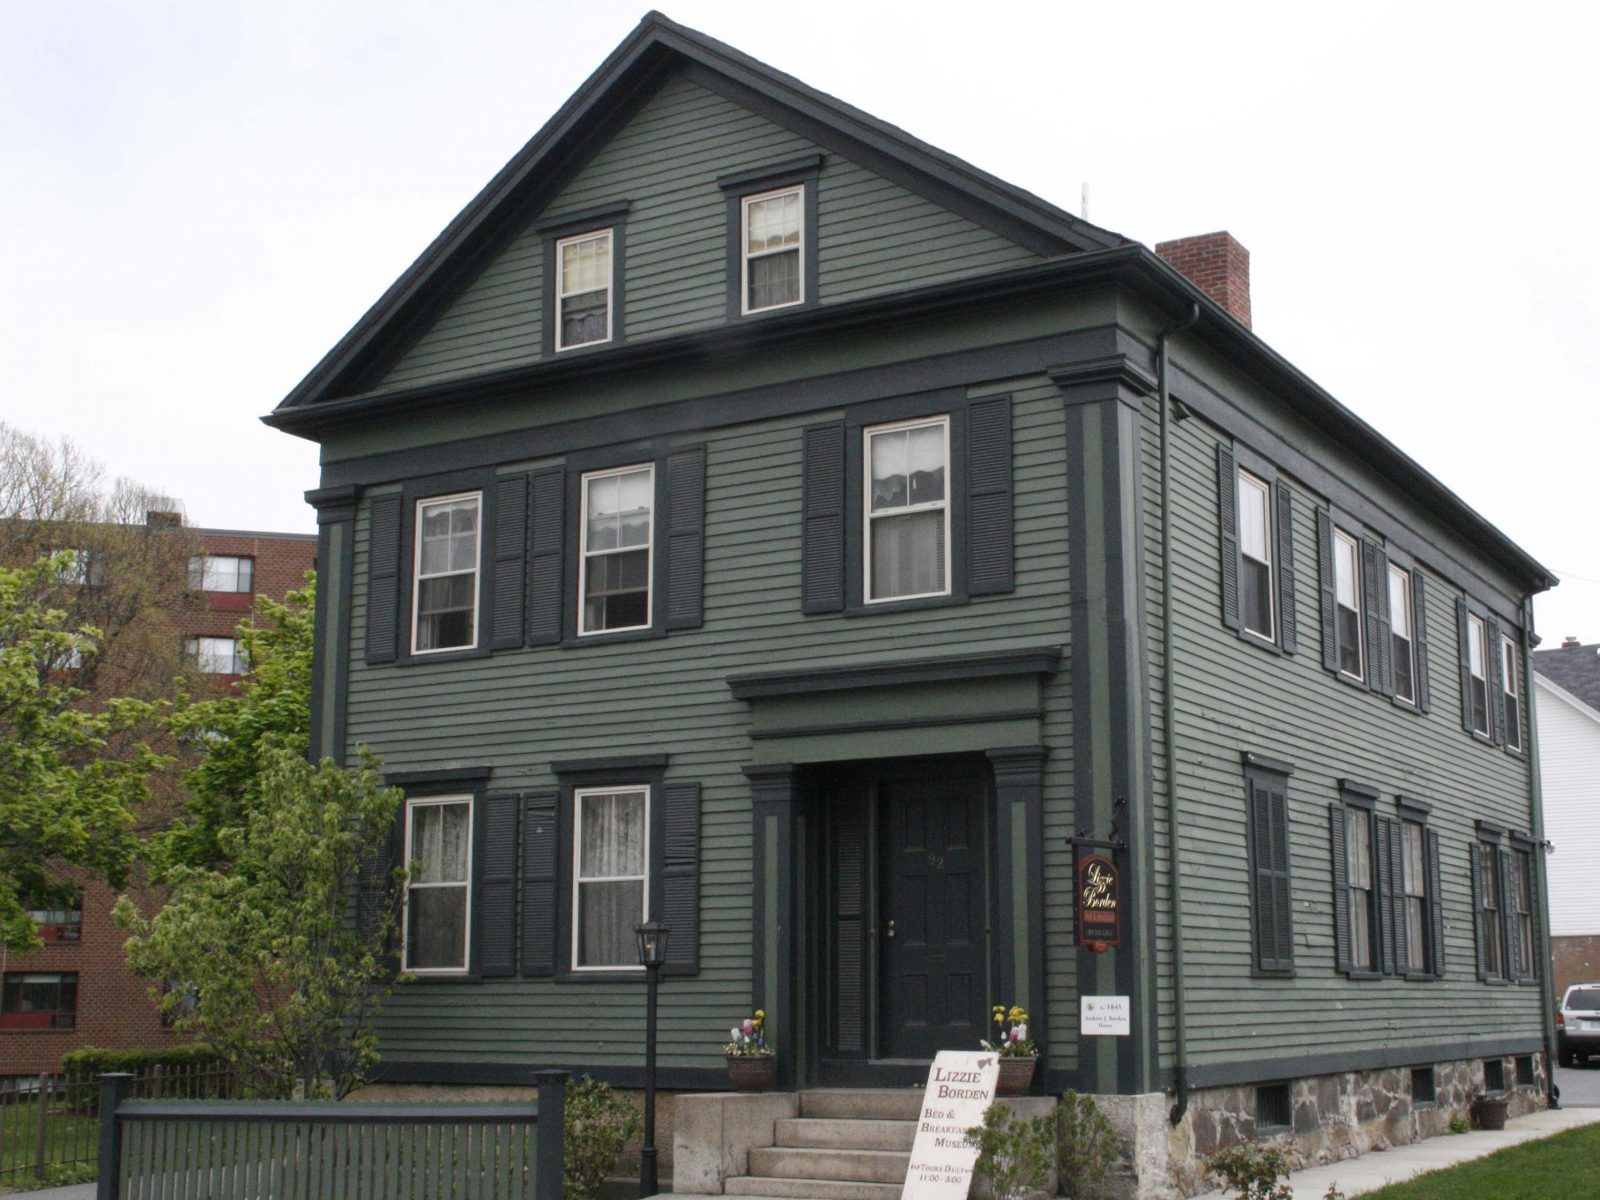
(322, 1150)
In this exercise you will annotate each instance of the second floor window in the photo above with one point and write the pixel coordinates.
(907, 542)
(38, 1000)
(1512, 693)
(610, 896)
(217, 655)
(438, 899)
(615, 565)
(1401, 636)
(1347, 599)
(221, 573)
(583, 290)
(445, 592)
(1255, 556)
(773, 249)
(1478, 674)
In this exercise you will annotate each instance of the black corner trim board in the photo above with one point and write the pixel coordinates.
(756, 178)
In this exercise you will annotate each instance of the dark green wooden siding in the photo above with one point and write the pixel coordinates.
(873, 236)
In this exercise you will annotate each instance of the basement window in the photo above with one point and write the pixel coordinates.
(1274, 1107)
(1494, 1074)
(1525, 1070)
(1423, 1089)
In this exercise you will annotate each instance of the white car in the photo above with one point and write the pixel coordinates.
(1578, 1024)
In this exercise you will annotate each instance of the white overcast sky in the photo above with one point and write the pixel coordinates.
(197, 199)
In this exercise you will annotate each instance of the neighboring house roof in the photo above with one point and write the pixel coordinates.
(1573, 702)
(1575, 669)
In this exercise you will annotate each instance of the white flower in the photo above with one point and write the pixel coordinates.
(1022, 1033)
(736, 1034)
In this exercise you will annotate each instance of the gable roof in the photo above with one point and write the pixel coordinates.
(655, 47)
(1574, 669)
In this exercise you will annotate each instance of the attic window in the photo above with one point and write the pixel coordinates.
(583, 298)
(773, 239)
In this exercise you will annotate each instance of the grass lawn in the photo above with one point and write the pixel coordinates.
(1564, 1166)
(68, 1136)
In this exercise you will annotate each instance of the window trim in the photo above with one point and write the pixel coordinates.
(54, 1024)
(559, 296)
(1281, 502)
(1489, 842)
(745, 201)
(868, 432)
(1408, 593)
(583, 554)
(415, 589)
(801, 172)
(422, 801)
(197, 571)
(191, 648)
(1356, 543)
(1373, 968)
(611, 217)
(647, 880)
(1511, 689)
(1242, 474)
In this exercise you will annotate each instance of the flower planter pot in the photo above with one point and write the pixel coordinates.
(1490, 1111)
(1016, 1076)
(752, 1072)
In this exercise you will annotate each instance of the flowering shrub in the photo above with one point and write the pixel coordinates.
(1013, 1041)
(749, 1037)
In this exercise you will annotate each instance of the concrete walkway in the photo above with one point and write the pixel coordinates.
(1380, 1167)
(76, 1191)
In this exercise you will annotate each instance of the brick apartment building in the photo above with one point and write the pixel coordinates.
(77, 990)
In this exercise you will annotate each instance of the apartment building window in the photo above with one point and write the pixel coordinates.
(38, 1000)
(1403, 645)
(584, 289)
(617, 562)
(773, 260)
(1271, 889)
(1477, 676)
(438, 903)
(610, 885)
(1511, 692)
(907, 542)
(61, 919)
(217, 655)
(82, 570)
(445, 582)
(221, 573)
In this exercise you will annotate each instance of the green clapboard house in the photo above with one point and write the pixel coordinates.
(747, 516)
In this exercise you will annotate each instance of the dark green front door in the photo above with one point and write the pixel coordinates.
(931, 917)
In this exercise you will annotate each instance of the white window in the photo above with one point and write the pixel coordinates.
(1513, 698)
(221, 573)
(773, 262)
(81, 570)
(610, 894)
(614, 568)
(1347, 597)
(907, 536)
(1255, 549)
(217, 655)
(1415, 882)
(438, 908)
(444, 600)
(583, 291)
(1404, 646)
(1358, 864)
(1478, 673)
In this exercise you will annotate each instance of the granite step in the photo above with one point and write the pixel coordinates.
(829, 1133)
(810, 1189)
(863, 1104)
(846, 1166)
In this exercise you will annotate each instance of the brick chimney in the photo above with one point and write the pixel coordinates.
(1571, 643)
(1217, 265)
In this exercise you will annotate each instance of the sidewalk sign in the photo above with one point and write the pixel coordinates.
(960, 1087)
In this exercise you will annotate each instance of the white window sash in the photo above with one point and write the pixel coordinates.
(1399, 584)
(1263, 490)
(1341, 538)
(799, 249)
(1477, 639)
(1508, 667)
(579, 795)
(440, 885)
(585, 554)
(562, 292)
(418, 578)
(869, 516)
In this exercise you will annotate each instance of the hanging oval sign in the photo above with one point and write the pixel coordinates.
(1099, 903)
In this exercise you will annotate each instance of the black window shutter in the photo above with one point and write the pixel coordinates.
(1282, 899)
(1463, 640)
(1390, 893)
(990, 561)
(540, 832)
(686, 523)
(1435, 905)
(1496, 675)
(822, 533)
(510, 568)
(1288, 637)
(1262, 893)
(680, 876)
(1419, 635)
(1341, 888)
(383, 579)
(494, 881)
(1380, 645)
(547, 490)
(1228, 533)
(1475, 854)
(1511, 944)
(377, 899)
(1330, 614)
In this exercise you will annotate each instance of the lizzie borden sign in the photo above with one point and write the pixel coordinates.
(960, 1087)
(1099, 903)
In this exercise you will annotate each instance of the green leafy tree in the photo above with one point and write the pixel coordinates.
(71, 781)
(275, 976)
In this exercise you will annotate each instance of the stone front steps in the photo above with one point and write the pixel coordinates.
(851, 1144)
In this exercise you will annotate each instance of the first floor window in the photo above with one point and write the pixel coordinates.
(221, 573)
(1400, 625)
(907, 542)
(1478, 673)
(1491, 945)
(1271, 898)
(610, 828)
(1519, 906)
(1255, 556)
(445, 595)
(1358, 879)
(1347, 597)
(583, 293)
(1509, 685)
(438, 893)
(38, 1000)
(217, 655)
(773, 249)
(1415, 883)
(618, 538)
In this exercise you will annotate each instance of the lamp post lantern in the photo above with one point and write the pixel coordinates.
(652, 937)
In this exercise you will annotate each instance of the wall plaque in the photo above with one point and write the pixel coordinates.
(1099, 903)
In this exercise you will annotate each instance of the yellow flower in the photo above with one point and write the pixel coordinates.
(759, 1014)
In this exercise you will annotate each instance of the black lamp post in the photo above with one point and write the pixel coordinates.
(652, 937)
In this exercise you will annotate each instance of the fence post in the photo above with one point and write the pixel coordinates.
(113, 1091)
(549, 1135)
